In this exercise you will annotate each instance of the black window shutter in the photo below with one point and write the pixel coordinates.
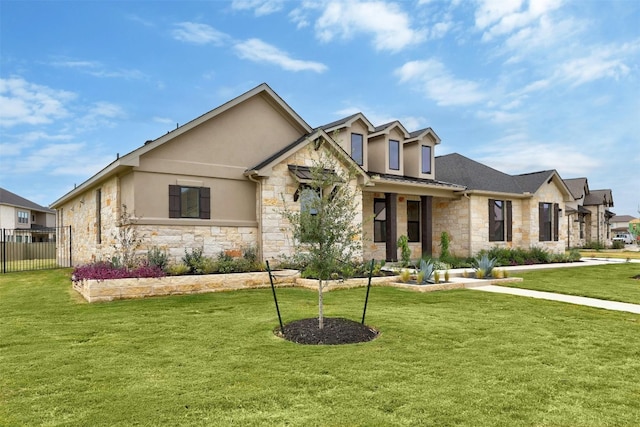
(509, 221)
(174, 201)
(205, 203)
(492, 225)
(541, 222)
(556, 222)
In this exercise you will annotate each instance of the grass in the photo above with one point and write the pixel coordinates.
(455, 358)
(611, 282)
(608, 253)
(29, 264)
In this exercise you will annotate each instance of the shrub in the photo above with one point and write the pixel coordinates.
(617, 244)
(157, 257)
(427, 269)
(194, 260)
(436, 276)
(446, 276)
(179, 269)
(444, 244)
(485, 264)
(574, 255)
(405, 250)
(539, 255)
(106, 270)
(405, 275)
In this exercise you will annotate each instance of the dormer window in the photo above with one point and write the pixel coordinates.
(394, 154)
(426, 159)
(357, 148)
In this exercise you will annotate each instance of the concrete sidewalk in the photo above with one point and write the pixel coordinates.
(590, 302)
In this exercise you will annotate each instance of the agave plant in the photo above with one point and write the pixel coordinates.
(485, 264)
(426, 271)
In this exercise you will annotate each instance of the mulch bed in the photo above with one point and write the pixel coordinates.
(336, 330)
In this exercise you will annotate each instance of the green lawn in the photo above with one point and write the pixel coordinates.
(611, 282)
(455, 358)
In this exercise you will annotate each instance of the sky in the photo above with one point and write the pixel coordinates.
(520, 86)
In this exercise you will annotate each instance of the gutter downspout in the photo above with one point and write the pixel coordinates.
(258, 182)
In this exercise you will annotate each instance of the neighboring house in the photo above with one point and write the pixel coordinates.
(221, 182)
(22, 220)
(589, 219)
(620, 224)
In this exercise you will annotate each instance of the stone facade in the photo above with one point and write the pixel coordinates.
(93, 222)
(277, 193)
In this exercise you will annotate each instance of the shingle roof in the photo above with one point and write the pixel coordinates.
(577, 186)
(338, 122)
(461, 170)
(599, 197)
(530, 182)
(12, 199)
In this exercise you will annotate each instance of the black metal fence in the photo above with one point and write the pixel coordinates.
(35, 248)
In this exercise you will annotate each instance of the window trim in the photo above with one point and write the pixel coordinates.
(548, 230)
(395, 150)
(383, 223)
(99, 216)
(175, 202)
(361, 144)
(429, 163)
(415, 221)
(506, 222)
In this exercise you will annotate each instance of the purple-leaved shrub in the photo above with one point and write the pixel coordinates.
(106, 270)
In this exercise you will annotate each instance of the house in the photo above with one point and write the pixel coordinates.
(221, 182)
(589, 219)
(24, 221)
(498, 209)
(620, 224)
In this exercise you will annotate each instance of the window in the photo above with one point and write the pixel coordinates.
(189, 202)
(357, 148)
(394, 154)
(309, 199)
(23, 217)
(548, 215)
(98, 216)
(379, 220)
(413, 220)
(500, 224)
(426, 159)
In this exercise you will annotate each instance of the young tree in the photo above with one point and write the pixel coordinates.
(325, 230)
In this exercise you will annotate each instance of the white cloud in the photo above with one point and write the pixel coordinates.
(432, 79)
(193, 32)
(518, 154)
(260, 7)
(74, 159)
(97, 69)
(502, 17)
(386, 22)
(258, 51)
(27, 103)
(602, 62)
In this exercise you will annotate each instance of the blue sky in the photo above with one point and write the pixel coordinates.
(520, 86)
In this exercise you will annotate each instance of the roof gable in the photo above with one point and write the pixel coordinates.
(132, 159)
(347, 122)
(318, 138)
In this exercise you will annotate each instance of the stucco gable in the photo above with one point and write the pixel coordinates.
(132, 159)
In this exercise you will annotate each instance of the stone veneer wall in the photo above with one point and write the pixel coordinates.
(81, 214)
(452, 216)
(277, 192)
(176, 239)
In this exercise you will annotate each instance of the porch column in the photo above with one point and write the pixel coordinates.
(426, 203)
(391, 207)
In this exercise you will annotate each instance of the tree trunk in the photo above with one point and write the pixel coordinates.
(320, 307)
